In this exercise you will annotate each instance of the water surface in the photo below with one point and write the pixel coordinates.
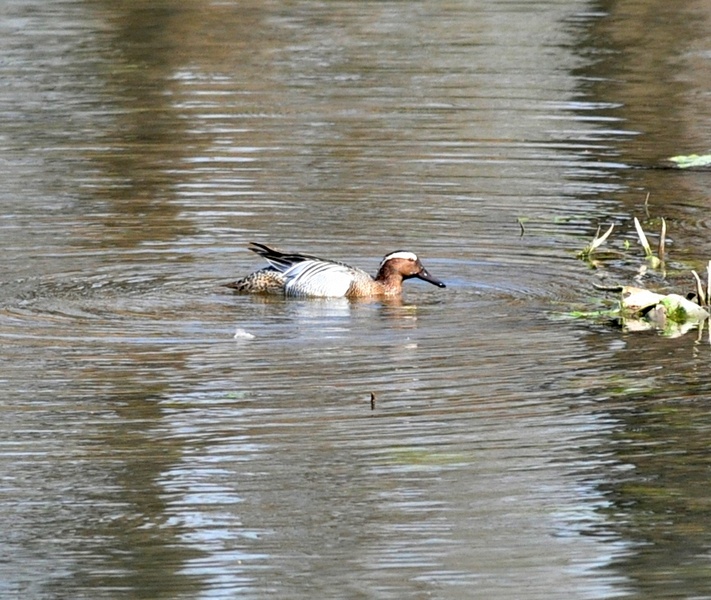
(146, 452)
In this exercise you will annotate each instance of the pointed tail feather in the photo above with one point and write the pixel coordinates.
(279, 260)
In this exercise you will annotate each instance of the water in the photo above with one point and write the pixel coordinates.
(512, 452)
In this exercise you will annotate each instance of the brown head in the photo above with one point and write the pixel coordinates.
(401, 265)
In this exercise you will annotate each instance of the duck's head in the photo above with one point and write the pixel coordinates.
(407, 265)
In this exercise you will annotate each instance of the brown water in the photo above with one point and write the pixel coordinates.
(147, 453)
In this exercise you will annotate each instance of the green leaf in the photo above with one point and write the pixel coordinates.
(692, 160)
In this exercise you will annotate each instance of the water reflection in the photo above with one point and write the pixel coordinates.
(654, 495)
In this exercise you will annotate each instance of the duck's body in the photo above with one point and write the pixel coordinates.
(309, 276)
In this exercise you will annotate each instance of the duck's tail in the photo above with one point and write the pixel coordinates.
(279, 260)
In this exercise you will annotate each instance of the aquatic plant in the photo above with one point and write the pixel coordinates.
(587, 252)
(639, 309)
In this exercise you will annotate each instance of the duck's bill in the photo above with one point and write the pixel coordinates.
(425, 276)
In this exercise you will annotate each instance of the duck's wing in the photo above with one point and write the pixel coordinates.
(319, 278)
(281, 261)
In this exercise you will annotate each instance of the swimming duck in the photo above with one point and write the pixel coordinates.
(309, 276)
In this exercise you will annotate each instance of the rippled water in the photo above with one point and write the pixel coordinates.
(509, 451)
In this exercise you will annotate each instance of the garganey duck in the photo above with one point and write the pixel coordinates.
(309, 276)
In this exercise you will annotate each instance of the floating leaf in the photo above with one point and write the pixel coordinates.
(634, 299)
(691, 161)
(643, 310)
(680, 310)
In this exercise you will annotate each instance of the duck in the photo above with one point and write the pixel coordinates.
(303, 275)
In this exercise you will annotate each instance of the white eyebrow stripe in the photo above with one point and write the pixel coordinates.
(400, 254)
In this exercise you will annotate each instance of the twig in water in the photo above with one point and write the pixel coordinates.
(520, 224)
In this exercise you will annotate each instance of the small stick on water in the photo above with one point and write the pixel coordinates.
(520, 224)
(372, 401)
(708, 287)
(662, 240)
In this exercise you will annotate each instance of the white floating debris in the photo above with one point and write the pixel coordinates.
(241, 334)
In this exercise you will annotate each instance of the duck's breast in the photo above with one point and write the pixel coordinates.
(318, 278)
